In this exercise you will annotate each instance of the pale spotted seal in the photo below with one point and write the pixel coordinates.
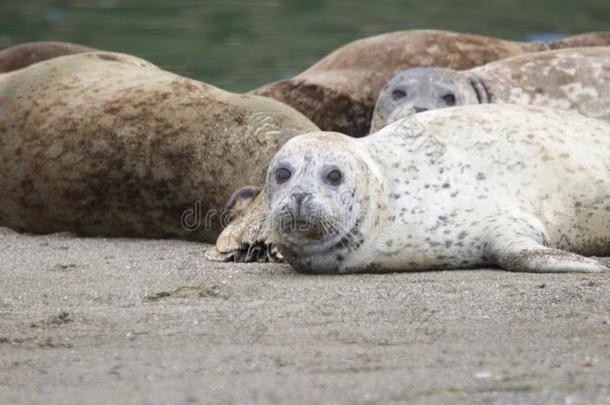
(338, 93)
(576, 79)
(520, 187)
(108, 144)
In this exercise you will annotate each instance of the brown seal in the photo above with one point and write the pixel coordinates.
(575, 79)
(108, 144)
(339, 92)
(22, 55)
(598, 38)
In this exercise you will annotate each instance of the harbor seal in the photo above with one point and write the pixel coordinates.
(338, 93)
(108, 144)
(576, 79)
(597, 38)
(22, 55)
(412, 197)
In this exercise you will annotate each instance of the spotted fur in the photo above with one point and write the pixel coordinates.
(575, 79)
(521, 187)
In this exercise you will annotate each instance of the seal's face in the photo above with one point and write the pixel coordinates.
(423, 89)
(312, 188)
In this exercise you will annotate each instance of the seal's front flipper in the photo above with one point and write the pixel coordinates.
(239, 201)
(247, 238)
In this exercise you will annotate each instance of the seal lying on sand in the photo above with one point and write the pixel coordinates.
(521, 187)
(575, 79)
(339, 92)
(26, 54)
(108, 144)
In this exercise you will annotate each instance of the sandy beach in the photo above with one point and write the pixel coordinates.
(96, 320)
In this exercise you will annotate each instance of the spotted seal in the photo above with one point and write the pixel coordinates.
(108, 144)
(28, 53)
(412, 197)
(576, 79)
(338, 93)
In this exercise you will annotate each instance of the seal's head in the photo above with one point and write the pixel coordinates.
(317, 192)
(421, 89)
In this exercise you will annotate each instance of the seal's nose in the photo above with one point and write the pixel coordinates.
(298, 200)
(300, 197)
(419, 109)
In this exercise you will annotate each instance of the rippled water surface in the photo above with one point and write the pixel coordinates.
(239, 45)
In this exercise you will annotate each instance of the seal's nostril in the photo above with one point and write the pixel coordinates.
(420, 109)
(300, 197)
(298, 200)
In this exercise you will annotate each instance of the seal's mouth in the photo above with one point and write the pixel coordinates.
(307, 226)
(307, 229)
(315, 233)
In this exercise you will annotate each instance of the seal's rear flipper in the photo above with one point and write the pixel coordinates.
(520, 243)
(547, 260)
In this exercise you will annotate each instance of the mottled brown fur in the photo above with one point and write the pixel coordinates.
(107, 144)
(339, 92)
(599, 38)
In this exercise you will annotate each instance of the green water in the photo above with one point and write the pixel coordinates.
(239, 45)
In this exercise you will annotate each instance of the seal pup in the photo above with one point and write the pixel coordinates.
(520, 187)
(22, 55)
(108, 144)
(338, 93)
(575, 79)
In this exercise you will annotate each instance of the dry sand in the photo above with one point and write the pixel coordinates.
(151, 321)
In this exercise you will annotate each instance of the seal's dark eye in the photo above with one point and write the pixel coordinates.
(282, 175)
(334, 177)
(449, 99)
(398, 94)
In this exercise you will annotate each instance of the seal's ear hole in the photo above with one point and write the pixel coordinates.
(398, 94)
(449, 99)
(480, 90)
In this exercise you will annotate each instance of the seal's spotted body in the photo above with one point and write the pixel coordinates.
(571, 79)
(515, 186)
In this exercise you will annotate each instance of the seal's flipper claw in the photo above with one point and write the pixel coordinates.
(273, 254)
(262, 253)
(253, 253)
